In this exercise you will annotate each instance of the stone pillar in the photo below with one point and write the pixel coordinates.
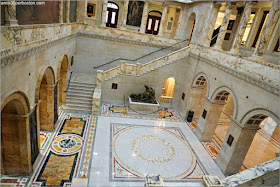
(215, 7)
(47, 107)
(144, 17)
(233, 153)
(230, 8)
(21, 162)
(195, 99)
(99, 78)
(124, 14)
(60, 15)
(10, 15)
(267, 30)
(163, 19)
(67, 11)
(242, 27)
(206, 126)
(104, 11)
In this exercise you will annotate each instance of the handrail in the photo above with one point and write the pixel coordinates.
(69, 81)
(141, 56)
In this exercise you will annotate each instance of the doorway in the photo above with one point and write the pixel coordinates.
(153, 22)
(112, 15)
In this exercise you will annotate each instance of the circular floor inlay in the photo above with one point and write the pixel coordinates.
(153, 149)
(67, 144)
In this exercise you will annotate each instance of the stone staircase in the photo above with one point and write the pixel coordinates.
(79, 96)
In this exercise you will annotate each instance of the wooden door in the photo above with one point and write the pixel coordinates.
(153, 24)
(112, 17)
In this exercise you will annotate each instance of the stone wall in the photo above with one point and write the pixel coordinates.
(92, 52)
(23, 75)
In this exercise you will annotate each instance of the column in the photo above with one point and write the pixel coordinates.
(267, 30)
(181, 34)
(124, 14)
(19, 142)
(235, 147)
(60, 15)
(47, 108)
(144, 17)
(68, 11)
(241, 29)
(215, 7)
(207, 122)
(224, 25)
(10, 15)
(195, 99)
(163, 19)
(104, 12)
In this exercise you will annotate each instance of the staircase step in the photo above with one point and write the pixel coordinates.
(78, 99)
(80, 91)
(76, 109)
(89, 96)
(75, 101)
(79, 106)
(82, 84)
(81, 88)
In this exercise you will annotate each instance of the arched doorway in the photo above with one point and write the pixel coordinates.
(44, 95)
(62, 80)
(112, 15)
(215, 118)
(15, 135)
(153, 22)
(243, 136)
(167, 90)
(197, 96)
(265, 143)
(190, 26)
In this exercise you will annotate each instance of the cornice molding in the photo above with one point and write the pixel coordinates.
(5, 60)
(247, 77)
(125, 40)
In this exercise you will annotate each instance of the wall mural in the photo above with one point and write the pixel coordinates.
(134, 15)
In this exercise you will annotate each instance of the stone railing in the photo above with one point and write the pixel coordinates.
(265, 174)
(131, 69)
(165, 99)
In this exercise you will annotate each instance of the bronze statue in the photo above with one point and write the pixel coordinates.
(147, 97)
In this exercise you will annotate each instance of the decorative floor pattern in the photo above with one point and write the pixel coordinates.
(13, 181)
(44, 137)
(89, 148)
(121, 111)
(63, 156)
(138, 150)
(211, 149)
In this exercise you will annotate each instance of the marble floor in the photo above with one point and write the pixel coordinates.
(127, 149)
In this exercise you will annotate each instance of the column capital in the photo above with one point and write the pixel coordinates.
(230, 4)
(217, 4)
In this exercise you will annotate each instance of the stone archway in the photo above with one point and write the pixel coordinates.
(45, 97)
(167, 90)
(223, 104)
(190, 26)
(239, 139)
(15, 135)
(62, 80)
(199, 90)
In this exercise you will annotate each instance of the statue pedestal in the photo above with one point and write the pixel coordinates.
(153, 181)
(143, 108)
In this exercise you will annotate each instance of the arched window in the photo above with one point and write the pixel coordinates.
(153, 22)
(112, 15)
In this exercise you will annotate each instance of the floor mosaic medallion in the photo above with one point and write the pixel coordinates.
(140, 150)
(63, 157)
